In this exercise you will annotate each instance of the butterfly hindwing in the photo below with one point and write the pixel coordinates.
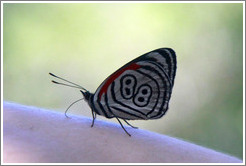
(141, 89)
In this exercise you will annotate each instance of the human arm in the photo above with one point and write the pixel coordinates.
(36, 135)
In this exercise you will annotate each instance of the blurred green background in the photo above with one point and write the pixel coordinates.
(85, 43)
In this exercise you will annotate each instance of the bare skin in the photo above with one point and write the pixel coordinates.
(37, 135)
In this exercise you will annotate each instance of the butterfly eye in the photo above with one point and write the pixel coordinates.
(143, 95)
(128, 84)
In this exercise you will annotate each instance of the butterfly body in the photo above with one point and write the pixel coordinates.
(140, 90)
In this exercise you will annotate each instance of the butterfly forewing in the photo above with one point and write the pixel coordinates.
(141, 89)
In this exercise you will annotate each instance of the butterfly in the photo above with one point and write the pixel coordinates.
(140, 90)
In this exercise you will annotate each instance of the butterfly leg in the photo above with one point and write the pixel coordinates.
(123, 127)
(130, 124)
(94, 117)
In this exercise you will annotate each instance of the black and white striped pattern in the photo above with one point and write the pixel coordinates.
(139, 90)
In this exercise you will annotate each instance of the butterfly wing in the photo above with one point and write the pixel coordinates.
(141, 89)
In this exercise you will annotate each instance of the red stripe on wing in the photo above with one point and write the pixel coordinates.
(104, 89)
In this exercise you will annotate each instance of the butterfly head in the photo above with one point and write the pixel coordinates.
(87, 95)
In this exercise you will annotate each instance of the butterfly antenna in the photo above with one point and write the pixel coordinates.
(71, 106)
(65, 84)
(73, 84)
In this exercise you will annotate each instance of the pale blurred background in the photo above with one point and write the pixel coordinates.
(85, 43)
